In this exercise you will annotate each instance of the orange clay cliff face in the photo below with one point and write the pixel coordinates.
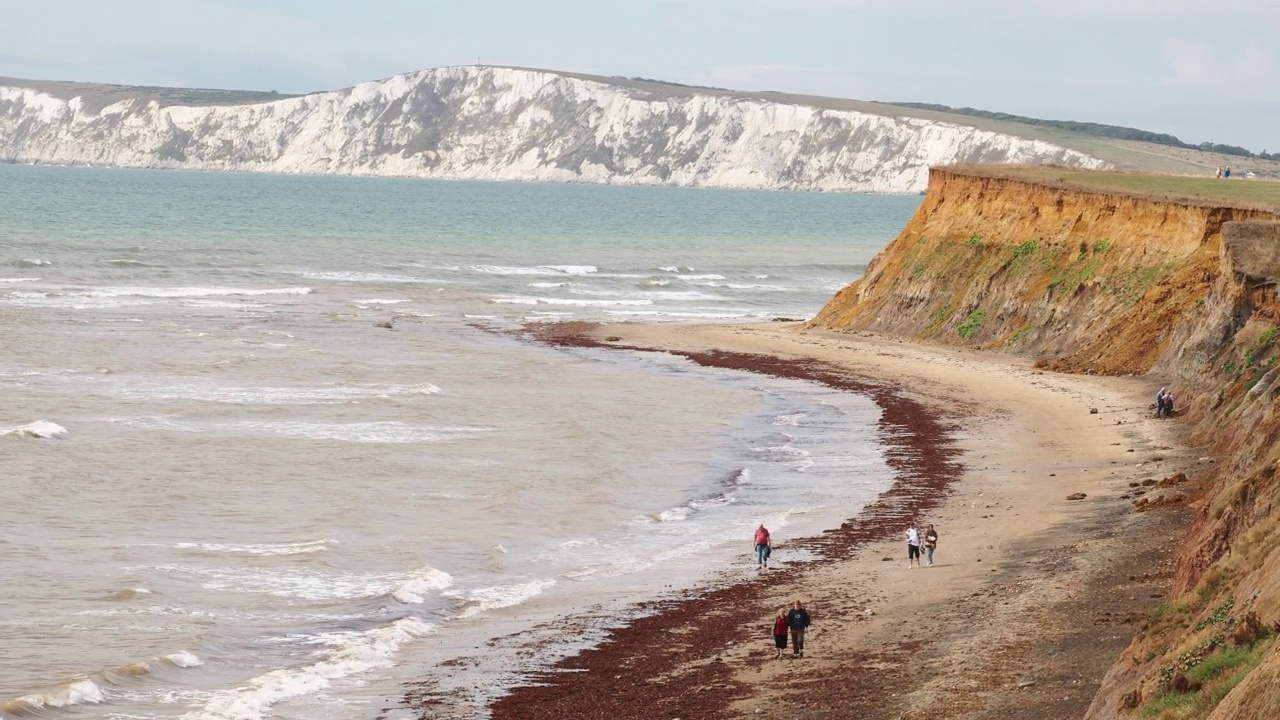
(1184, 292)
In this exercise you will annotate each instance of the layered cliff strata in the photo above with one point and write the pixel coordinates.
(490, 123)
(1181, 288)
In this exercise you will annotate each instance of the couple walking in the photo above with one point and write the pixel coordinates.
(797, 621)
(914, 543)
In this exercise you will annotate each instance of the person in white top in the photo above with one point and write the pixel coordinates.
(913, 546)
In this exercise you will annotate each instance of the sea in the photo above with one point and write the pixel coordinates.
(271, 446)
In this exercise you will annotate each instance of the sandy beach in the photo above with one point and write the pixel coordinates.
(1032, 595)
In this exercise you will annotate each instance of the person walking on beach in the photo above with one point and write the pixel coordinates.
(764, 546)
(913, 546)
(781, 624)
(930, 543)
(798, 619)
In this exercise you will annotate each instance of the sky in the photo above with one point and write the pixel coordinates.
(1203, 71)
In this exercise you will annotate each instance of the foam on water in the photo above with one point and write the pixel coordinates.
(76, 692)
(354, 654)
(573, 302)
(500, 596)
(183, 659)
(184, 292)
(202, 390)
(537, 270)
(18, 280)
(367, 277)
(294, 548)
(38, 429)
(308, 584)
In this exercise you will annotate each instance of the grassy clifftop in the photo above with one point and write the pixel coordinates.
(1173, 278)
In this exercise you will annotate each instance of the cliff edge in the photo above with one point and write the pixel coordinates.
(1109, 273)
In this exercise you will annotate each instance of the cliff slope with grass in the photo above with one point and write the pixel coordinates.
(1111, 273)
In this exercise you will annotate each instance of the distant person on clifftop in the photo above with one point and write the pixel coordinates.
(1219, 175)
(764, 547)
(1226, 171)
(798, 619)
(781, 624)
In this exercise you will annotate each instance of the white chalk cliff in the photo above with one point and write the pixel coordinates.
(491, 123)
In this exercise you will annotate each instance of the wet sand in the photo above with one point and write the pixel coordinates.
(1032, 595)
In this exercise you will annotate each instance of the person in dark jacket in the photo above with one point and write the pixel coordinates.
(798, 619)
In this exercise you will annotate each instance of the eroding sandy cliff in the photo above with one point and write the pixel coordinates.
(1094, 282)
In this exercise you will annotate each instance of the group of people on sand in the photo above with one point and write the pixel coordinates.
(795, 621)
(917, 542)
(1164, 403)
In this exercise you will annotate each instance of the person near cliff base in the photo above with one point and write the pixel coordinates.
(798, 619)
(1168, 404)
(781, 624)
(1160, 402)
(764, 547)
(913, 546)
(930, 542)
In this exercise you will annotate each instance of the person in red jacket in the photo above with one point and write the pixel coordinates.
(764, 546)
(780, 625)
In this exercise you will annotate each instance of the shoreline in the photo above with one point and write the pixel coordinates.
(967, 638)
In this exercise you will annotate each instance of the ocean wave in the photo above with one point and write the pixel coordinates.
(294, 548)
(756, 286)
(354, 654)
(38, 429)
(76, 692)
(31, 263)
(283, 395)
(536, 270)
(380, 301)
(366, 277)
(708, 276)
(88, 689)
(677, 314)
(567, 302)
(540, 284)
(223, 304)
(308, 584)
(650, 294)
(18, 280)
(392, 432)
(500, 596)
(730, 484)
(183, 292)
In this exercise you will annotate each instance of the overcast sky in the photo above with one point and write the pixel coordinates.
(1199, 70)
